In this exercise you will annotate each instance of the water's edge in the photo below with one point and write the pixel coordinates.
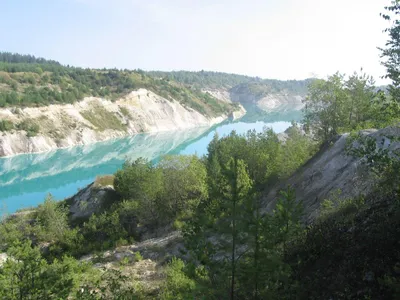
(26, 179)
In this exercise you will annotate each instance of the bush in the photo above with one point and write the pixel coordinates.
(6, 125)
(178, 286)
(32, 129)
(138, 256)
(103, 231)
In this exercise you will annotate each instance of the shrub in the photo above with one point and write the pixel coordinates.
(138, 256)
(32, 129)
(178, 285)
(6, 125)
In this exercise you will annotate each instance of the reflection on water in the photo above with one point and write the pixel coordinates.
(26, 179)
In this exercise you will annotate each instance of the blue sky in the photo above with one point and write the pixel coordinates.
(283, 39)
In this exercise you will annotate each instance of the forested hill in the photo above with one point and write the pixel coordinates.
(205, 79)
(26, 80)
(29, 81)
(217, 80)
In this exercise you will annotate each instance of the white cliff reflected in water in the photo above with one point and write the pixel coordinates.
(26, 179)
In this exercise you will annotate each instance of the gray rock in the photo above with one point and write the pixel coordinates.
(3, 258)
(91, 200)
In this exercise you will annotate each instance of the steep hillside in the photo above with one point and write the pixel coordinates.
(333, 174)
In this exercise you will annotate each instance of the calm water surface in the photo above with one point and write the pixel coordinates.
(26, 179)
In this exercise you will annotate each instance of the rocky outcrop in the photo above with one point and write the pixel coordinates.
(333, 173)
(3, 258)
(95, 119)
(143, 262)
(90, 200)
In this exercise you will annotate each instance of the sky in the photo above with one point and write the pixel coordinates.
(281, 39)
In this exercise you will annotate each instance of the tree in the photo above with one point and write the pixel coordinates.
(391, 52)
(184, 184)
(26, 275)
(287, 214)
(222, 216)
(360, 88)
(141, 182)
(325, 106)
(52, 221)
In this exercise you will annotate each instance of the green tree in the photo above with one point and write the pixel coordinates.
(52, 222)
(287, 214)
(184, 184)
(222, 216)
(360, 88)
(142, 182)
(26, 275)
(326, 106)
(391, 52)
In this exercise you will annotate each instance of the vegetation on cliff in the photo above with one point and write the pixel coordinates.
(29, 81)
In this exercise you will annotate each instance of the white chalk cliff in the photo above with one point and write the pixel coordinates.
(95, 119)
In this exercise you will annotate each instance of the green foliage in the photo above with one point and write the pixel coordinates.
(240, 83)
(162, 193)
(337, 105)
(288, 213)
(34, 81)
(103, 119)
(26, 275)
(31, 128)
(6, 125)
(184, 184)
(125, 112)
(103, 231)
(13, 230)
(138, 256)
(141, 183)
(391, 52)
(265, 156)
(52, 222)
(113, 284)
(384, 164)
(177, 284)
(239, 248)
(298, 148)
(325, 109)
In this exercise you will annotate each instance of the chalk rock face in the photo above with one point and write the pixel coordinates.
(95, 119)
(333, 171)
(268, 101)
(3, 258)
(92, 199)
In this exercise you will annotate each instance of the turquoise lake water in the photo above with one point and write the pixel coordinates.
(26, 179)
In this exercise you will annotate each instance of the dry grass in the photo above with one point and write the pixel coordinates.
(103, 119)
(104, 180)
